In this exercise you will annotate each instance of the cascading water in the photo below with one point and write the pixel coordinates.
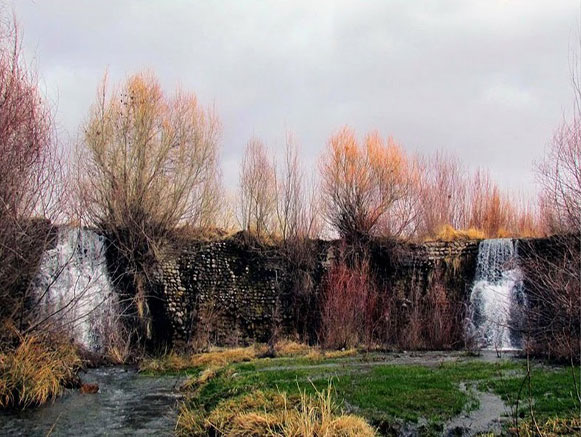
(497, 297)
(73, 290)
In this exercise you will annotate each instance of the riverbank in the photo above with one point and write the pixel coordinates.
(426, 393)
(413, 393)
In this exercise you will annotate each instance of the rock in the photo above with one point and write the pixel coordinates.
(89, 388)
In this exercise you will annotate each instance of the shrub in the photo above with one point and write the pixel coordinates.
(553, 311)
(36, 371)
(349, 304)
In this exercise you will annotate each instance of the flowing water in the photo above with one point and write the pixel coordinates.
(497, 297)
(127, 404)
(73, 289)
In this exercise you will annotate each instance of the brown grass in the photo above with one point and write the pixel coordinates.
(289, 348)
(174, 362)
(217, 358)
(553, 427)
(223, 357)
(36, 372)
(448, 233)
(276, 415)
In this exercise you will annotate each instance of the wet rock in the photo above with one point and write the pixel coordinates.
(89, 388)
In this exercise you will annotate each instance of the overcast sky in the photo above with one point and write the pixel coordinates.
(487, 80)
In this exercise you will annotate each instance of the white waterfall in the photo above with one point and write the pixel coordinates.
(73, 291)
(497, 297)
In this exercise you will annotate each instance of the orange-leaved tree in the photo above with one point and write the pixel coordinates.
(363, 184)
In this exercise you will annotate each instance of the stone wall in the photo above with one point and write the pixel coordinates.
(231, 291)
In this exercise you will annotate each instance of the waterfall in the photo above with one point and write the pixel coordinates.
(73, 291)
(497, 296)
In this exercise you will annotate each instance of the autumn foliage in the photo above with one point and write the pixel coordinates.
(375, 189)
(365, 186)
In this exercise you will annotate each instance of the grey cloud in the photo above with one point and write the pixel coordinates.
(487, 80)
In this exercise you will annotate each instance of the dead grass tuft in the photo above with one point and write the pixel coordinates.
(170, 362)
(174, 362)
(340, 353)
(223, 357)
(36, 372)
(448, 233)
(289, 348)
(553, 427)
(276, 415)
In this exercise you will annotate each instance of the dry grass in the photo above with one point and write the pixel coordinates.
(223, 357)
(170, 362)
(289, 348)
(448, 233)
(275, 415)
(553, 427)
(174, 362)
(36, 372)
(218, 358)
(340, 353)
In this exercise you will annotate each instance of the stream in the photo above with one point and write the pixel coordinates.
(127, 404)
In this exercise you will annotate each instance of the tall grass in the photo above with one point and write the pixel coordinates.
(274, 414)
(36, 371)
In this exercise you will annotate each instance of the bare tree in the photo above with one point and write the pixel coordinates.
(30, 183)
(296, 209)
(560, 176)
(257, 206)
(443, 190)
(148, 164)
(560, 172)
(553, 272)
(363, 185)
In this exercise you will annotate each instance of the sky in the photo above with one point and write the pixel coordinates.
(486, 80)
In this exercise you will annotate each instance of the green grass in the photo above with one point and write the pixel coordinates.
(386, 393)
(552, 392)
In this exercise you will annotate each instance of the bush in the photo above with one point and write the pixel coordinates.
(553, 311)
(349, 304)
(36, 371)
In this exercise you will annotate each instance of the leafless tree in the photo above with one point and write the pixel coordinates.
(553, 272)
(147, 163)
(31, 187)
(443, 192)
(296, 208)
(257, 207)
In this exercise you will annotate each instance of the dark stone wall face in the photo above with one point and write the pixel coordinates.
(231, 292)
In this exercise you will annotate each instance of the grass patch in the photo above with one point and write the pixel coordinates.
(36, 371)
(193, 363)
(384, 395)
(272, 413)
(552, 427)
(174, 363)
(552, 392)
(380, 393)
